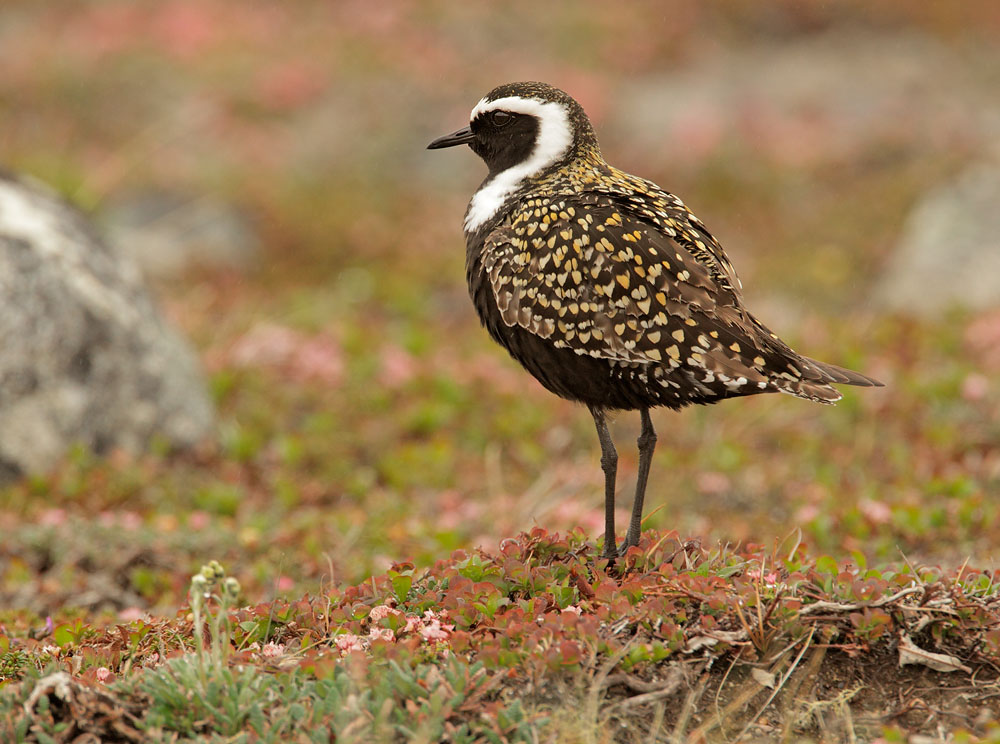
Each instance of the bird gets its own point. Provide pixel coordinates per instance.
(606, 288)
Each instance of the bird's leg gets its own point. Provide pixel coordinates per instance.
(609, 464)
(647, 443)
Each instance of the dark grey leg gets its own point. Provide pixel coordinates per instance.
(647, 443)
(609, 464)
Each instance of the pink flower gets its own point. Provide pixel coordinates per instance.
(52, 517)
(385, 634)
(397, 367)
(975, 387)
(713, 483)
(301, 356)
(807, 513)
(272, 650)
(876, 511)
(199, 520)
(433, 630)
(573, 609)
(131, 613)
(348, 642)
(104, 675)
(770, 578)
(130, 520)
(380, 612)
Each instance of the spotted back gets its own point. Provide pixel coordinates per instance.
(598, 276)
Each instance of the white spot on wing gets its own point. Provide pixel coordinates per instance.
(555, 135)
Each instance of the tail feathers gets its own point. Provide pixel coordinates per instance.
(844, 376)
(810, 390)
(819, 388)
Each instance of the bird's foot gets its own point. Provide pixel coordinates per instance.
(630, 541)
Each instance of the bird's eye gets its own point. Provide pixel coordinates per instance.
(501, 118)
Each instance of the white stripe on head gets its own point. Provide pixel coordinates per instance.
(555, 136)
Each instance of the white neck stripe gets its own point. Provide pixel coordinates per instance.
(555, 136)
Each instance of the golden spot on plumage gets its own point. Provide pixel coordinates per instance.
(584, 336)
(577, 276)
(678, 335)
(661, 298)
(640, 271)
(566, 235)
(623, 280)
(759, 361)
(713, 334)
(644, 305)
(673, 352)
(632, 323)
(690, 322)
(653, 354)
(735, 347)
(653, 337)
(619, 328)
(703, 341)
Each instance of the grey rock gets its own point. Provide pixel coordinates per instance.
(948, 254)
(85, 357)
(167, 232)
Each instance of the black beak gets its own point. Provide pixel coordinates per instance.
(462, 137)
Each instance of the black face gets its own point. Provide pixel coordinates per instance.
(503, 138)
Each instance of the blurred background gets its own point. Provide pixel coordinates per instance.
(264, 165)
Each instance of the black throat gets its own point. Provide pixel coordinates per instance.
(504, 148)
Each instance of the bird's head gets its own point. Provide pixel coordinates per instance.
(528, 126)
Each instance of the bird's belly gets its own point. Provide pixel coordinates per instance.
(579, 377)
